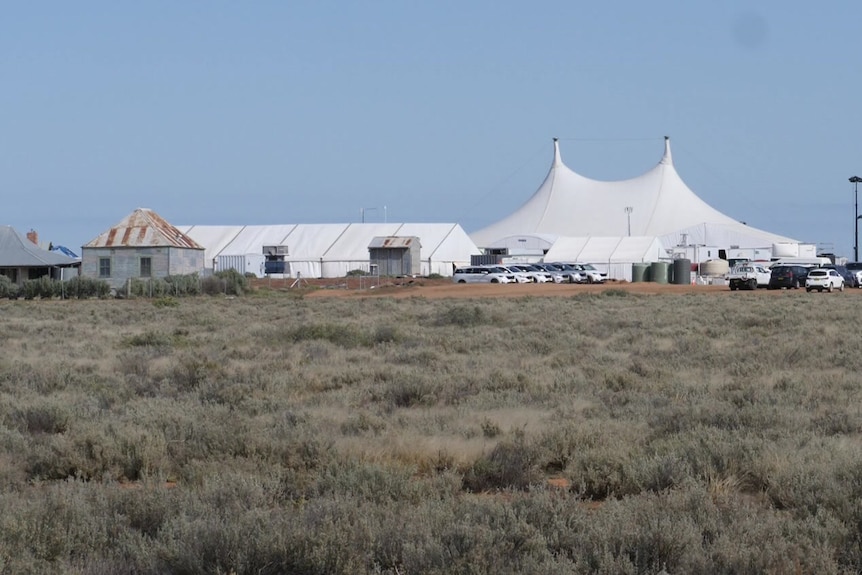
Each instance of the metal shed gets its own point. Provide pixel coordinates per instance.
(396, 255)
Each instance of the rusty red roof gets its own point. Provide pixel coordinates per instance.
(143, 228)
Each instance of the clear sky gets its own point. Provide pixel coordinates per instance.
(263, 112)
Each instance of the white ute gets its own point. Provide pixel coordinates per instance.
(748, 276)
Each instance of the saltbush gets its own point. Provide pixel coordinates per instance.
(8, 289)
(379, 435)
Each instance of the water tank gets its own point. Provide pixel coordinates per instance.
(640, 272)
(714, 268)
(785, 250)
(659, 272)
(682, 271)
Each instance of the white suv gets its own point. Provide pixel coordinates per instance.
(519, 276)
(534, 273)
(593, 275)
(824, 279)
(480, 274)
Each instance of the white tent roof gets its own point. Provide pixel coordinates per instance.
(213, 238)
(661, 204)
(342, 247)
(616, 249)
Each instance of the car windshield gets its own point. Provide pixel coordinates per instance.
(588, 267)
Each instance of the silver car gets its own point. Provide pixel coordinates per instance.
(480, 274)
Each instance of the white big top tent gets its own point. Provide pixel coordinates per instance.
(333, 250)
(656, 204)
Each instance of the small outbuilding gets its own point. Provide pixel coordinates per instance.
(396, 255)
(143, 246)
(21, 259)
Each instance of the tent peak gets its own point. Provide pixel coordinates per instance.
(667, 158)
(558, 161)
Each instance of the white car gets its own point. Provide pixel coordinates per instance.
(480, 274)
(558, 276)
(824, 279)
(593, 275)
(535, 273)
(576, 273)
(520, 277)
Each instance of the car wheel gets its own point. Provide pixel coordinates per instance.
(732, 287)
(808, 290)
(461, 282)
(830, 288)
(752, 284)
(495, 281)
(841, 287)
(795, 284)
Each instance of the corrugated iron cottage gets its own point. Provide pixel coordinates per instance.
(144, 246)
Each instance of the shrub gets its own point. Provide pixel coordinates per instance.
(43, 288)
(7, 288)
(81, 287)
(510, 465)
(463, 316)
(227, 282)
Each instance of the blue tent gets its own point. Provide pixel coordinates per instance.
(65, 251)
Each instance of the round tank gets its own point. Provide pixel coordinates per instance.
(785, 250)
(682, 271)
(714, 268)
(658, 271)
(640, 272)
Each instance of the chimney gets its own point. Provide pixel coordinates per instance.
(33, 236)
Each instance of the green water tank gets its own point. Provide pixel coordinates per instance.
(658, 271)
(682, 271)
(640, 272)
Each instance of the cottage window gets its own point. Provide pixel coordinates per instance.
(146, 267)
(104, 267)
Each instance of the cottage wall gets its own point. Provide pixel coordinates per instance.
(184, 261)
(126, 262)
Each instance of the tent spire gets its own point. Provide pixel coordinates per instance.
(557, 160)
(667, 158)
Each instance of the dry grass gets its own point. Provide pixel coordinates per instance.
(351, 435)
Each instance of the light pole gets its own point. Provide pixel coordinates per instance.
(855, 181)
(629, 211)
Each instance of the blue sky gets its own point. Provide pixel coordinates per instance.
(305, 112)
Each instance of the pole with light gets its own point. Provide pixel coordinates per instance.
(855, 181)
(629, 211)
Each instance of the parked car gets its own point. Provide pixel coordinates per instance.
(849, 277)
(787, 276)
(515, 276)
(535, 274)
(573, 274)
(480, 274)
(557, 273)
(748, 276)
(856, 269)
(824, 279)
(593, 275)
